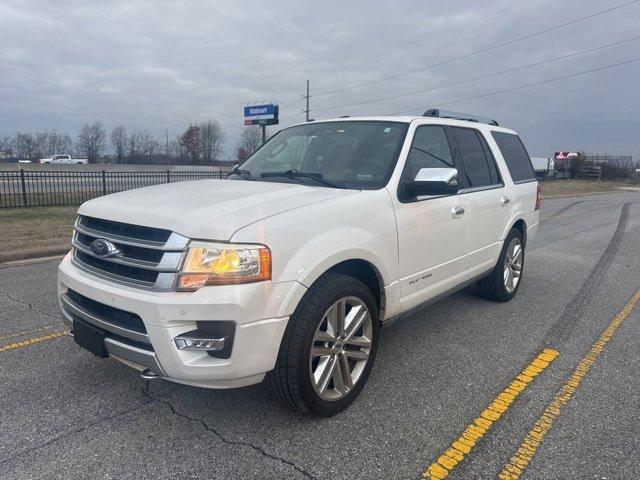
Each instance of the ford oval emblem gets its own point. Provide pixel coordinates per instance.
(103, 248)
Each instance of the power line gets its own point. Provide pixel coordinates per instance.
(510, 6)
(481, 77)
(292, 102)
(292, 116)
(520, 87)
(478, 52)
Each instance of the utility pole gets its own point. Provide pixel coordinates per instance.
(306, 110)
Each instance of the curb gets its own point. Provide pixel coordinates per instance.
(35, 254)
(607, 192)
(30, 261)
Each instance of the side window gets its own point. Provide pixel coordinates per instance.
(476, 164)
(493, 169)
(429, 149)
(515, 156)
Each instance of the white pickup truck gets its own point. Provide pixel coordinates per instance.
(64, 159)
(543, 166)
(290, 267)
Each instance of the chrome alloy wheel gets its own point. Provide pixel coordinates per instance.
(513, 261)
(340, 348)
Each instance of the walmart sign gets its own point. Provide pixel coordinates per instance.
(261, 115)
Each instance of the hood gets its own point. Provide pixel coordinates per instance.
(206, 209)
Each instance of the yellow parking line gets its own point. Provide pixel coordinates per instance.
(476, 430)
(32, 341)
(519, 461)
(29, 332)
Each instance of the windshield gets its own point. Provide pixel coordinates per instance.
(351, 154)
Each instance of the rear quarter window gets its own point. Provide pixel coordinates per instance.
(515, 156)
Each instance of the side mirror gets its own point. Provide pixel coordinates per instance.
(433, 181)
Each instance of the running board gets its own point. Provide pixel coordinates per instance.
(436, 298)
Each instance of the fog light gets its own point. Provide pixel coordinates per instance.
(205, 344)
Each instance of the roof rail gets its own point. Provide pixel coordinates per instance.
(436, 112)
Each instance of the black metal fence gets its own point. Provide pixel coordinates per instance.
(43, 189)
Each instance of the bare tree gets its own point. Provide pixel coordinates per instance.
(241, 154)
(167, 149)
(119, 140)
(133, 147)
(91, 140)
(212, 139)
(25, 146)
(41, 143)
(177, 151)
(190, 141)
(6, 144)
(148, 144)
(49, 143)
(57, 142)
(250, 140)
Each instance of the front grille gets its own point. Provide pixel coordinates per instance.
(108, 313)
(147, 257)
(128, 251)
(107, 227)
(126, 272)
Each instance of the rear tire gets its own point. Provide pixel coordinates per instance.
(503, 282)
(322, 367)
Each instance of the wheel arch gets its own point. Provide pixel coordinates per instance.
(518, 222)
(356, 266)
(521, 226)
(368, 274)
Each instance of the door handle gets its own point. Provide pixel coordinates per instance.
(504, 200)
(457, 211)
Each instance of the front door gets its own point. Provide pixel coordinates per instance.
(432, 231)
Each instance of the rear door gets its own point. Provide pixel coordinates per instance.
(525, 186)
(431, 238)
(485, 199)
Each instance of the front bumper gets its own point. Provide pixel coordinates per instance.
(260, 312)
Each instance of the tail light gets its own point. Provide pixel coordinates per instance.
(538, 198)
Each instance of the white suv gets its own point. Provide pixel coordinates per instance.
(289, 268)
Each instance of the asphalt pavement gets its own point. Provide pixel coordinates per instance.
(66, 414)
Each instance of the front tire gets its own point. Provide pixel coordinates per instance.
(503, 282)
(328, 348)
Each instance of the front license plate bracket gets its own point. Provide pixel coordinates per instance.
(90, 338)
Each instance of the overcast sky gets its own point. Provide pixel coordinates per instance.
(156, 64)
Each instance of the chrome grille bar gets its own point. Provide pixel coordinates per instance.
(169, 262)
(155, 266)
(175, 241)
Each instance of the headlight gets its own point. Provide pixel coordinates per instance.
(224, 263)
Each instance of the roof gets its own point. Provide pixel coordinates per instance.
(409, 119)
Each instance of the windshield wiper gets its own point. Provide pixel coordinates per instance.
(295, 174)
(245, 174)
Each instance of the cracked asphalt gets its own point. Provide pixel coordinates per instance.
(66, 414)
